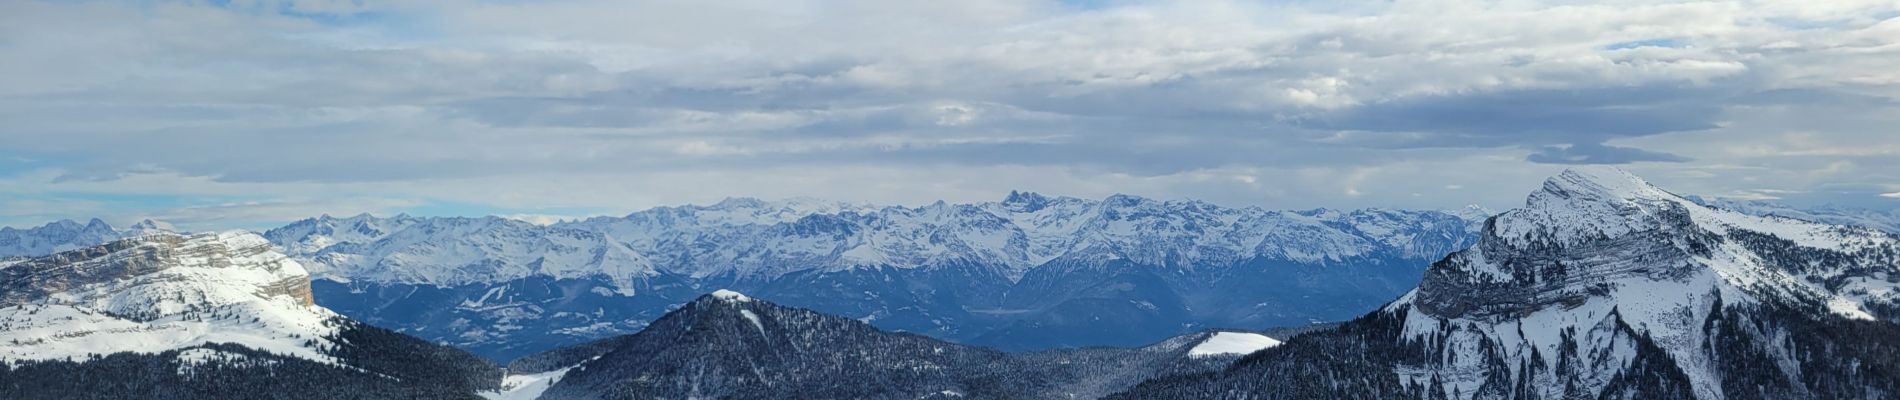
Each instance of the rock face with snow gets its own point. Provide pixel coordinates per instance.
(731, 346)
(1028, 272)
(165, 314)
(1604, 286)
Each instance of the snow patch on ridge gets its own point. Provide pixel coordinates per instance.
(749, 316)
(1232, 343)
(728, 295)
(528, 386)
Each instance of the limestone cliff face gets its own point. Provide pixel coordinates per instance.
(159, 274)
(296, 288)
(219, 315)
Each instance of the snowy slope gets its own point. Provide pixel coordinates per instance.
(160, 292)
(1232, 343)
(526, 386)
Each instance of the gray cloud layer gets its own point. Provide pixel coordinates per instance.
(247, 112)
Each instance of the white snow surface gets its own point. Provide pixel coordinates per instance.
(225, 287)
(754, 319)
(729, 295)
(1232, 343)
(526, 386)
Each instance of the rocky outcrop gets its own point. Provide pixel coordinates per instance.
(220, 315)
(145, 259)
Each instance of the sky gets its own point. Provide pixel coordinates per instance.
(253, 113)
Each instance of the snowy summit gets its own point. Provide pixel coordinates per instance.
(729, 295)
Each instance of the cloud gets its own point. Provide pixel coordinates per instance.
(266, 109)
(1547, 119)
(1598, 154)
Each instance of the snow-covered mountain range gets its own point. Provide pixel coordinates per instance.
(1604, 286)
(749, 239)
(1028, 272)
(67, 234)
(164, 315)
(54, 237)
(1601, 286)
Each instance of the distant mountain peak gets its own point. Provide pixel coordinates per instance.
(1124, 200)
(738, 202)
(149, 226)
(53, 237)
(1025, 201)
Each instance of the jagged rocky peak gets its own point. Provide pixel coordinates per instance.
(57, 236)
(148, 226)
(1025, 201)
